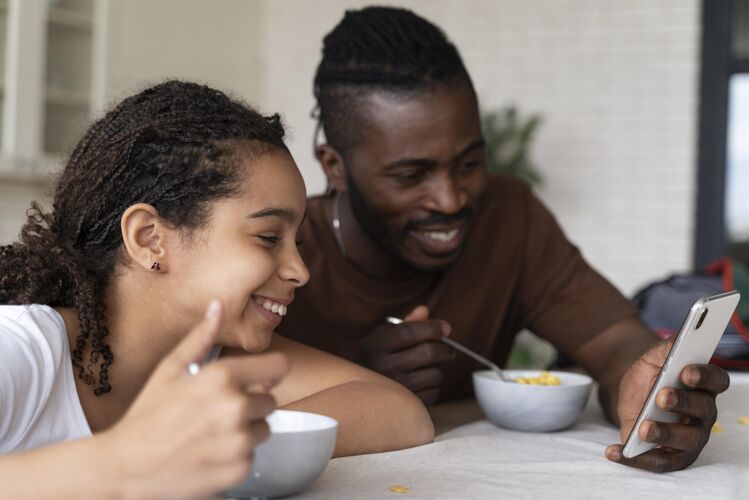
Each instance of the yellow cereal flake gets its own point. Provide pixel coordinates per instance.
(743, 420)
(717, 427)
(399, 489)
(545, 378)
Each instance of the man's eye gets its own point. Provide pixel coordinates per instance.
(413, 176)
(471, 165)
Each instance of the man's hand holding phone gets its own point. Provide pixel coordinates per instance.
(679, 443)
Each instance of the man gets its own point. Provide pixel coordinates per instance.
(416, 227)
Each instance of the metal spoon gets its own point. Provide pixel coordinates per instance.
(213, 354)
(496, 369)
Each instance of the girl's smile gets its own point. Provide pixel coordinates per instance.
(271, 309)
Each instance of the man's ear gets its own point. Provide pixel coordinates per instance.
(144, 235)
(333, 166)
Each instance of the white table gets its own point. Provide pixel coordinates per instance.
(480, 461)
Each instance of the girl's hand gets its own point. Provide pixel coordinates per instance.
(191, 436)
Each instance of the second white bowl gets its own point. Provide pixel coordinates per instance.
(531, 408)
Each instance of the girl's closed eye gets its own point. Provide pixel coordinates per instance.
(269, 239)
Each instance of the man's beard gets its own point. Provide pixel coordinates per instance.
(373, 223)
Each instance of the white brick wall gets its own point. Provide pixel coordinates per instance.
(617, 85)
(216, 42)
(616, 82)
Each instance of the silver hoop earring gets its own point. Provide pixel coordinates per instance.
(337, 224)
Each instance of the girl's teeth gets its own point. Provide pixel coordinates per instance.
(273, 307)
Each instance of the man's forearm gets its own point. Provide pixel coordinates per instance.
(610, 354)
(609, 381)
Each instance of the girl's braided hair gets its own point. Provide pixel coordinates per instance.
(175, 146)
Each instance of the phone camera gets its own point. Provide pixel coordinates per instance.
(702, 318)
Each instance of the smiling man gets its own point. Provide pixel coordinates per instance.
(416, 227)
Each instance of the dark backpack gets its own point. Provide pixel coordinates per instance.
(664, 304)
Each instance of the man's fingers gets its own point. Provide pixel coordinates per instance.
(413, 333)
(419, 380)
(418, 313)
(196, 344)
(656, 460)
(692, 403)
(391, 338)
(709, 378)
(419, 356)
(429, 396)
(690, 438)
(247, 370)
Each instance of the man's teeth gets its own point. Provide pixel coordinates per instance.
(273, 307)
(440, 235)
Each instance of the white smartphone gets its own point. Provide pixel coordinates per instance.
(695, 344)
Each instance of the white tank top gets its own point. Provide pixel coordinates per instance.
(39, 404)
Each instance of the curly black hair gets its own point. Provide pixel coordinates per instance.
(174, 146)
(379, 49)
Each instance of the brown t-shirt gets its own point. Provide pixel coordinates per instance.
(517, 271)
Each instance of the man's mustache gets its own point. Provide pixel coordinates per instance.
(438, 219)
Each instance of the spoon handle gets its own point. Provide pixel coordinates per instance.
(468, 352)
(461, 348)
(213, 354)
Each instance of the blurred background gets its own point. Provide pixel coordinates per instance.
(641, 142)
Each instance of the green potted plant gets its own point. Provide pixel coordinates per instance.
(509, 138)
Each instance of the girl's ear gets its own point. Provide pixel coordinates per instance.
(333, 166)
(144, 235)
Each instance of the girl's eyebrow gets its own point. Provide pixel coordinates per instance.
(285, 214)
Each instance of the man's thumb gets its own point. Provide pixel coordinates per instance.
(418, 313)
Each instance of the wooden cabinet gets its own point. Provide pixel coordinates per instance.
(68, 73)
(47, 71)
(3, 35)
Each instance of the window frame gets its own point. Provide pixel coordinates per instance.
(718, 65)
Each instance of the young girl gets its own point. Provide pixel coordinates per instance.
(173, 230)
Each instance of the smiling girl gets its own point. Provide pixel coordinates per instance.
(173, 230)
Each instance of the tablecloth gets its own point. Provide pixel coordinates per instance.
(480, 461)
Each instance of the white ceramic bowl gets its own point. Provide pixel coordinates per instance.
(300, 446)
(531, 408)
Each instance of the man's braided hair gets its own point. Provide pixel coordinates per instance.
(175, 146)
(379, 49)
